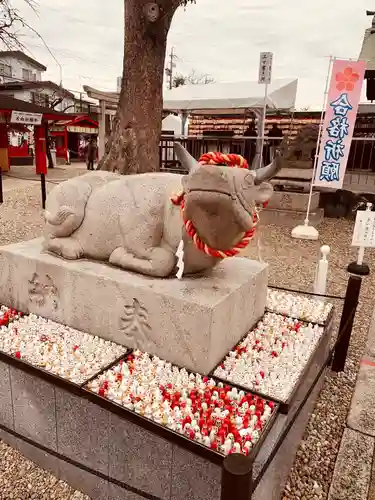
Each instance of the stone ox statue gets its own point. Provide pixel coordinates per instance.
(130, 221)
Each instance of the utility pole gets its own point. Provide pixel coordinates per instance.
(171, 66)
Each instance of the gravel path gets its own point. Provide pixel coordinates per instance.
(292, 264)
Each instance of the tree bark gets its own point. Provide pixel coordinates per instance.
(134, 143)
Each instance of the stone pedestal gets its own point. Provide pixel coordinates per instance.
(290, 209)
(193, 322)
(284, 200)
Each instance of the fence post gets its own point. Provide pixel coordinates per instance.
(43, 187)
(237, 478)
(1, 186)
(320, 285)
(346, 323)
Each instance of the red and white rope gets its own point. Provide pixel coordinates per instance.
(229, 160)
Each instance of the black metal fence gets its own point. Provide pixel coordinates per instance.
(361, 157)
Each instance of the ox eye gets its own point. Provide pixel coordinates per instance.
(249, 179)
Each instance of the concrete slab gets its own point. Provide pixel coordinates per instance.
(370, 346)
(361, 415)
(34, 408)
(6, 404)
(83, 481)
(139, 458)
(194, 478)
(82, 431)
(371, 491)
(352, 472)
(117, 493)
(193, 322)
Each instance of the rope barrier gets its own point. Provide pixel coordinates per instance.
(30, 179)
(291, 290)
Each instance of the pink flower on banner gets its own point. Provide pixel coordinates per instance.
(347, 80)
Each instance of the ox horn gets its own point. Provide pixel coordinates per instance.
(266, 173)
(187, 161)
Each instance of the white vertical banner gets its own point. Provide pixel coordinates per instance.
(265, 67)
(265, 77)
(341, 112)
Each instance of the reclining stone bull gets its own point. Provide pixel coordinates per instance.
(130, 221)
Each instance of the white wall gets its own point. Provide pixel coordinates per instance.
(17, 67)
(26, 95)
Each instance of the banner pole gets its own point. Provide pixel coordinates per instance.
(307, 232)
(263, 124)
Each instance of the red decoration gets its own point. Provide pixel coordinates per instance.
(347, 80)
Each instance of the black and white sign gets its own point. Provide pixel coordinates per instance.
(26, 118)
(364, 229)
(265, 67)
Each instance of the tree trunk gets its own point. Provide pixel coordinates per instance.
(134, 144)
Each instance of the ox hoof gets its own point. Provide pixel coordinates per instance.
(65, 247)
(156, 262)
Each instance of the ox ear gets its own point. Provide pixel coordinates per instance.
(187, 161)
(263, 193)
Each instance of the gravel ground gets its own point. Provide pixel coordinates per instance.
(292, 264)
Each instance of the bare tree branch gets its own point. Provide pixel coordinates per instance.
(12, 22)
(192, 79)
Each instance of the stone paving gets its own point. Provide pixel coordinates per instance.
(354, 474)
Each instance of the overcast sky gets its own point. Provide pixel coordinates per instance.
(220, 37)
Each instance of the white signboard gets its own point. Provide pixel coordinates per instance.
(364, 229)
(265, 67)
(83, 130)
(26, 118)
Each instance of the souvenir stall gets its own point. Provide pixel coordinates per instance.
(71, 137)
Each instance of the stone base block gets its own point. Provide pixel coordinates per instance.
(284, 200)
(290, 218)
(193, 322)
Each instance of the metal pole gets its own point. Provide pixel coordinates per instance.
(316, 158)
(237, 478)
(43, 186)
(1, 186)
(263, 125)
(346, 323)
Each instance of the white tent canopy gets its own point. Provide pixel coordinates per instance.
(230, 98)
(172, 123)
